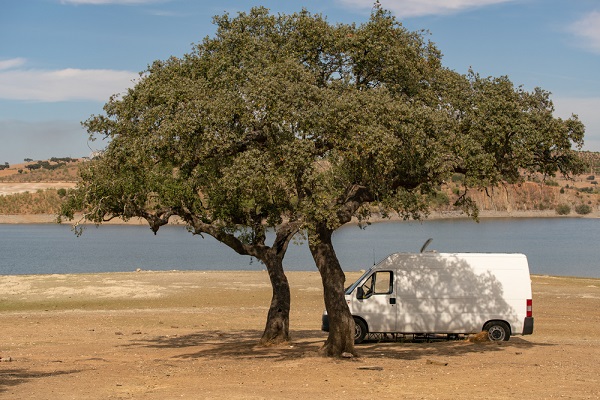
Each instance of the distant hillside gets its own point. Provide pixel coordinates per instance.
(27, 203)
(580, 195)
(53, 170)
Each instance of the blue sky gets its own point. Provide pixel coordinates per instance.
(60, 60)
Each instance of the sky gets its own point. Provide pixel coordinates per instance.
(61, 60)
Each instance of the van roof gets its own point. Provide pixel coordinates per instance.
(400, 260)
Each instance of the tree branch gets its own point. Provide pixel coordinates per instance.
(354, 198)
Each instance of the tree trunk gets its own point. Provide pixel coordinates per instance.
(278, 319)
(277, 328)
(341, 323)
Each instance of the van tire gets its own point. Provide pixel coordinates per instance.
(360, 330)
(497, 331)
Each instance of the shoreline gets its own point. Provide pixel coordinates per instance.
(142, 274)
(16, 219)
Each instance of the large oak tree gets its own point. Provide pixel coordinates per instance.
(292, 122)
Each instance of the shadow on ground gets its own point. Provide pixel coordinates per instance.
(17, 376)
(244, 345)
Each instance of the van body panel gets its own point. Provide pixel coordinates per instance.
(454, 293)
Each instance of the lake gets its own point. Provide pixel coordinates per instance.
(554, 246)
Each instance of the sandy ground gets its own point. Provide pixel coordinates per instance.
(7, 188)
(173, 335)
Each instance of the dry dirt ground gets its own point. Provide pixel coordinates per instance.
(193, 335)
(7, 188)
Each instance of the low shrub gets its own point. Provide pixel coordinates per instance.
(563, 209)
(589, 190)
(583, 209)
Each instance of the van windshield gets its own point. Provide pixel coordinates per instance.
(350, 289)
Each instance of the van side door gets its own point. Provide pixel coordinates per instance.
(375, 302)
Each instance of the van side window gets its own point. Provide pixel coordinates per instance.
(383, 282)
(378, 283)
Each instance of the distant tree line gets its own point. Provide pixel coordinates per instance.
(55, 159)
(57, 163)
(4, 166)
(63, 159)
(44, 165)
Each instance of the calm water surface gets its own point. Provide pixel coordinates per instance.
(554, 246)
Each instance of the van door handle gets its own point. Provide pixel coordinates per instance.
(392, 300)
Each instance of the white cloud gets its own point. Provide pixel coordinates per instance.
(104, 2)
(413, 8)
(11, 63)
(164, 13)
(588, 29)
(587, 111)
(63, 85)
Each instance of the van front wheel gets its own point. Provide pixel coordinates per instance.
(360, 330)
(497, 331)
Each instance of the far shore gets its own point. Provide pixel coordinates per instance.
(487, 214)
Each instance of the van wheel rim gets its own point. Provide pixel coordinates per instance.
(357, 331)
(496, 333)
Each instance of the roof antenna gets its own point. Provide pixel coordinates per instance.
(427, 242)
(373, 256)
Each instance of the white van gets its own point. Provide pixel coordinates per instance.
(443, 293)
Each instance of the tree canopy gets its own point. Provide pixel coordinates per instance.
(288, 119)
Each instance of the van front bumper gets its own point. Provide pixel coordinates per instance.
(528, 326)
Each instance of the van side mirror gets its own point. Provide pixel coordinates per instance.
(360, 293)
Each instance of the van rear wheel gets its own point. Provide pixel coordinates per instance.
(497, 331)
(360, 330)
